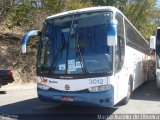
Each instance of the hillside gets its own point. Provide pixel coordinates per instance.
(23, 66)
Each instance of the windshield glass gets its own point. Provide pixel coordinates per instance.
(76, 44)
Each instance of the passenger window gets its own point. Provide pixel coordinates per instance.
(120, 48)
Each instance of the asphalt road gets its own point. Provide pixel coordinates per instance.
(24, 104)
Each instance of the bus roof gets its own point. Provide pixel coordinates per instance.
(83, 10)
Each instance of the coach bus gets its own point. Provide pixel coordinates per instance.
(155, 45)
(91, 56)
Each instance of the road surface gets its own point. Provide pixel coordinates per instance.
(24, 104)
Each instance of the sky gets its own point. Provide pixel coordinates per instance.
(158, 3)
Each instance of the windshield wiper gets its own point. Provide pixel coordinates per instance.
(83, 66)
(71, 32)
(69, 36)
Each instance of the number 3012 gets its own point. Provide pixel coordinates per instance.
(95, 81)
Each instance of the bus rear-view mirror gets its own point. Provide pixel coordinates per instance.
(112, 33)
(26, 38)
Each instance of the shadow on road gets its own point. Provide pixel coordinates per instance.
(148, 91)
(35, 109)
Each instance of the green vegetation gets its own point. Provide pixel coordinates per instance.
(5, 7)
(142, 13)
(22, 13)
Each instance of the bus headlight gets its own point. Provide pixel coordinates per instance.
(100, 88)
(42, 86)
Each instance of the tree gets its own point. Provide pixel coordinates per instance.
(140, 13)
(5, 7)
(120, 4)
(53, 6)
(56, 6)
(76, 4)
(22, 13)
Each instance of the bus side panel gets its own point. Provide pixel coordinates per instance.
(136, 61)
(134, 66)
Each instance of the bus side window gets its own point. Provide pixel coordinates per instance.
(120, 48)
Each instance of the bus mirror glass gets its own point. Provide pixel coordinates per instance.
(112, 33)
(152, 42)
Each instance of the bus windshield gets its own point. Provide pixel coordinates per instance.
(76, 44)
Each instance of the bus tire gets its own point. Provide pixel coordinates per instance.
(127, 98)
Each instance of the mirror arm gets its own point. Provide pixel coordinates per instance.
(26, 37)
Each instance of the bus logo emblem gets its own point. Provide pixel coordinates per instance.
(43, 80)
(67, 87)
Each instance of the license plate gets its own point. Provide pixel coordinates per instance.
(68, 99)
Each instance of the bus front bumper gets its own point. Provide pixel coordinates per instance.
(102, 99)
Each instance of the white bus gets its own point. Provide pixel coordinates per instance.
(92, 56)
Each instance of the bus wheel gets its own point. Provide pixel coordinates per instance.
(126, 99)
